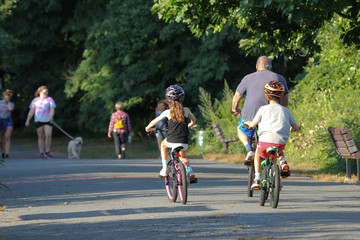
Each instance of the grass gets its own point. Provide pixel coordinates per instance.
(93, 148)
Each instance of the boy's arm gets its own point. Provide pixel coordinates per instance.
(251, 124)
(294, 127)
(155, 121)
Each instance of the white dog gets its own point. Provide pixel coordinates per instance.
(74, 148)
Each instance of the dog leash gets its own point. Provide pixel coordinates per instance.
(62, 130)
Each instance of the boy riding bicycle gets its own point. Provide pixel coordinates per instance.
(178, 128)
(275, 123)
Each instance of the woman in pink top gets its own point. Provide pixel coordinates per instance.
(43, 107)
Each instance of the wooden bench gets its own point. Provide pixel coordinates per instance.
(220, 136)
(346, 147)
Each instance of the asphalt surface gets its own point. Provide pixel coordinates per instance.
(124, 199)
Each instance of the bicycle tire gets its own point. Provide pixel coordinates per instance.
(275, 185)
(251, 177)
(183, 183)
(171, 183)
(263, 185)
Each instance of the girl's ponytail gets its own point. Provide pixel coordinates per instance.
(177, 113)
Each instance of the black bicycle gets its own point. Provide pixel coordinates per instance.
(251, 169)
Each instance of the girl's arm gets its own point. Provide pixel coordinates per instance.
(52, 113)
(191, 116)
(156, 120)
(10, 106)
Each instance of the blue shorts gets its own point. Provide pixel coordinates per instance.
(5, 123)
(248, 132)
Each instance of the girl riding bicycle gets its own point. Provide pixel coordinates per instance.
(275, 122)
(178, 128)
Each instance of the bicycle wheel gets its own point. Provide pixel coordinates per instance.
(263, 185)
(171, 184)
(274, 185)
(251, 177)
(183, 184)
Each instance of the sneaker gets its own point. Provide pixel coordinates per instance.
(249, 158)
(163, 173)
(3, 155)
(48, 155)
(119, 156)
(42, 156)
(190, 173)
(6, 156)
(256, 184)
(285, 169)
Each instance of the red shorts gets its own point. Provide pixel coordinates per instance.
(262, 146)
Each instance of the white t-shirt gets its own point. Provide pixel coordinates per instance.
(274, 123)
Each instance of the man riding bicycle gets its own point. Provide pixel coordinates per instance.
(252, 87)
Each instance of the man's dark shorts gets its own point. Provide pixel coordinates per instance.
(40, 124)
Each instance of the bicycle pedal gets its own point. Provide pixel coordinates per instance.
(285, 174)
(248, 163)
(193, 181)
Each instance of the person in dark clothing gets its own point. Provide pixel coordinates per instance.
(120, 128)
(163, 124)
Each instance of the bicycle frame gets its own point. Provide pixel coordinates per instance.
(270, 178)
(271, 159)
(176, 181)
(270, 175)
(251, 171)
(176, 176)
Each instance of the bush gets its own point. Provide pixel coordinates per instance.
(325, 97)
(218, 111)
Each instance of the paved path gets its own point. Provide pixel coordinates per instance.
(123, 199)
(25, 152)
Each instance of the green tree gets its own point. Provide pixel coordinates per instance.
(274, 27)
(91, 54)
(34, 51)
(325, 97)
(130, 54)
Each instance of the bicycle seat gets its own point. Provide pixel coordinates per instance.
(177, 149)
